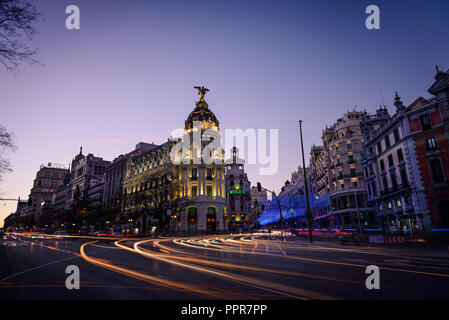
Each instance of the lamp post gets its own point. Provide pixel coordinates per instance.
(308, 214)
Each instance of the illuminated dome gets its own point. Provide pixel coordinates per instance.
(202, 113)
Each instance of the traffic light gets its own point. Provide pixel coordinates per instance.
(259, 187)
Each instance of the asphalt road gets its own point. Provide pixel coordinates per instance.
(215, 267)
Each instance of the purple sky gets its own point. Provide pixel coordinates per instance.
(127, 75)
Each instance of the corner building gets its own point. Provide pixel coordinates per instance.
(186, 195)
(343, 143)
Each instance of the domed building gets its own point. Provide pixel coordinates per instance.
(203, 114)
(203, 195)
(179, 185)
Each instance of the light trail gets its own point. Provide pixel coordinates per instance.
(327, 261)
(173, 285)
(201, 260)
(260, 284)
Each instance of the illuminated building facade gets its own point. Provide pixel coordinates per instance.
(238, 191)
(62, 200)
(48, 178)
(113, 186)
(173, 189)
(318, 178)
(343, 143)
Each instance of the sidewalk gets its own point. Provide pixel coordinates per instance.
(440, 250)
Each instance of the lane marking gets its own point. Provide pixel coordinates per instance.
(283, 252)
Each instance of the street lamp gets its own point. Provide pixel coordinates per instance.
(308, 213)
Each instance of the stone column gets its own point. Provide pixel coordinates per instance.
(216, 182)
(204, 180)
(185, 182)
(200, 181)
(202, 218)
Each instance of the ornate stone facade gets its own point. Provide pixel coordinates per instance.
(170, 189)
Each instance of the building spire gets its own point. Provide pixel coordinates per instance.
(397, 102)
(81, 150)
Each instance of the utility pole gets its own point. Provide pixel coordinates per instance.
(308, 213)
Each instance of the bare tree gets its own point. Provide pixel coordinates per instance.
(6, 143)
(16, 24)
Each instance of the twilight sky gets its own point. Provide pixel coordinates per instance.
(127, 75)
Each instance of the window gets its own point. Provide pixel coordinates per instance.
(387, 141)
(394, 181)
(396, 135)
(353, 173)
(404, 180)
(437, 170)
(385, 183)
(382, 165)
(398, 203)
(209, 191)
(194, 174)
(400, 155)
(349, 146)
(342, 186)
(431, 144)
(209, 174)
(409, 201)
(355, 185)
(194, 191)
(337, 148)
(390, 160)
(425, 122)
(351, 159)
(379, 148)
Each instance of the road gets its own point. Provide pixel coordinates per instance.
(250, 267)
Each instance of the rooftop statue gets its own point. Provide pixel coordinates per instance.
(201, 92)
